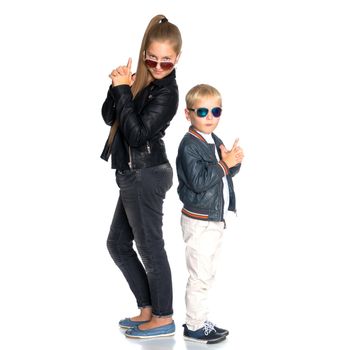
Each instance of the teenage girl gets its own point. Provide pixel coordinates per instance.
(139, 109)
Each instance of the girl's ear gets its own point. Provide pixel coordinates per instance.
(178, 57)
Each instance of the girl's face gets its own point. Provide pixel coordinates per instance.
(160, 59)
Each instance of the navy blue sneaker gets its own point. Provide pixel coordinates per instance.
(218, 330)
(128, 323)
(162, 331)
(206, 335)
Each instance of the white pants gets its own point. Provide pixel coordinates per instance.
(203, 242)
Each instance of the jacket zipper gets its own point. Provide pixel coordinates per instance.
(223, 204)
(221, 191)
(222, 200)
(130, 159)
(148, 146)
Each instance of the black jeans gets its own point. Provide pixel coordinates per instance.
(139, 217)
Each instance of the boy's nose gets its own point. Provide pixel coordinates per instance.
(209, 115)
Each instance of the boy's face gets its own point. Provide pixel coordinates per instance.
(208, 123)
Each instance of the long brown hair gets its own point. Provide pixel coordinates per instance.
(158, 29)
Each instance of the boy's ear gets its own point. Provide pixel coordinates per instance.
(187, 114)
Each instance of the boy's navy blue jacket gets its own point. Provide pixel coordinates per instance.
(200, 178)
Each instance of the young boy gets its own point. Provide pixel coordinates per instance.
(204, 169)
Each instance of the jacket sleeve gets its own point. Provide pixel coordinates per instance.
(200, 175)
(108, 108)
(234, 170)
(156, 114)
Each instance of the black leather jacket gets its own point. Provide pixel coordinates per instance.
(200, 178)
(142, 122)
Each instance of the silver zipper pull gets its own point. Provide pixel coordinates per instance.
(148, 147)
(130, 160)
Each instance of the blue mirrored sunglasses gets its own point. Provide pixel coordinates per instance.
(202, 112)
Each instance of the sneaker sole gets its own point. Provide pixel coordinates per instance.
(214, 341)
(150, 336)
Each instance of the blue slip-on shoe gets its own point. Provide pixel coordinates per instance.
(162, 331)
(128, 323)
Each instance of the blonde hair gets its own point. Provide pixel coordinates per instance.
(199, 91)
(158, 29)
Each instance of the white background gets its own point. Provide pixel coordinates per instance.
(283, 70)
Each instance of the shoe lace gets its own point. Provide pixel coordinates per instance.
(208, 327)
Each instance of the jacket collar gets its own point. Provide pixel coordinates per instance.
(166, 80)
(195, 133)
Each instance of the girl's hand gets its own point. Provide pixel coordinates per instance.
(122, 75)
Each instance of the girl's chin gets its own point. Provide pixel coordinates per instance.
(159, 75)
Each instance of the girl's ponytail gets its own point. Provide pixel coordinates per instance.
(160, 29)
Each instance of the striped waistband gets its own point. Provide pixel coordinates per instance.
(193, 215)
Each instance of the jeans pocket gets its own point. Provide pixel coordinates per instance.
(126, 180)
(117, 179)
(163, 178)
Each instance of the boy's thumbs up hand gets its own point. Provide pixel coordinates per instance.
(223, 149)
(236, 143)
(233, 156)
